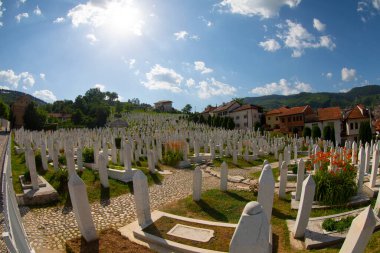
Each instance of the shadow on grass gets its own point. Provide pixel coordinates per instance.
(153, 230)
(155, 178)
(215, 214)
(275, 242)
(104, 196)
(283, 216)
(237, 197)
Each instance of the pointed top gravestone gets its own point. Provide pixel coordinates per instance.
(266, 190)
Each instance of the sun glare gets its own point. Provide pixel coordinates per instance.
(122, 18)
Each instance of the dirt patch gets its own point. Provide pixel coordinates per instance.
(110, 240)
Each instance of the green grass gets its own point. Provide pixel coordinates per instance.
(90, 177)
(256, 175)
(227, 207)
(242, 163)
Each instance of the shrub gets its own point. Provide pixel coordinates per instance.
(27, 177)
(62, 159)
(316, 132)
(295, 169)
(337, 225)
(88, 155)
(306, 132)
(59, 180)
(335, 186)
(172, 157)
(365, 132)
(38, 160)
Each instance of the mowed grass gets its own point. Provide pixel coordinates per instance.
(58, 179)
(228, 206)
(241, 164)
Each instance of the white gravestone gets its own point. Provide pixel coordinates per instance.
(141, 195)
(197, 184)
(224, 177)
(300, 178)
(283, 180)
(266, 190)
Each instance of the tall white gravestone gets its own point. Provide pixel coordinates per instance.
(141, 195)
(266, 190)
(224, 177)
(197, 184)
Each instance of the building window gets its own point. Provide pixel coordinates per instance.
(268, 118)
(289, 119)
(245, 116)
(245, 124)
(254, 116)
(294, 118)
(237, 125)
(356, 125)
(351, 126)
(277, 118)
(237, 117)
(283, 120)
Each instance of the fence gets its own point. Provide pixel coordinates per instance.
(15, 237)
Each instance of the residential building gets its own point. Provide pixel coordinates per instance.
(225, 109)
(246, 116)
(352, 120)
(164, 106)
(18, 110)
(331, 116)
(272, 118)
(292, 121)
(208, 111)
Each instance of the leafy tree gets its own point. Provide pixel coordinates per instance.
(365, 132)
(333, 135)
(187, 109)
(327, 133)
(240, 101)
(4, 110)
(34, 118)
(78, 117)
(257, 125)
(315, 132)
(209, 120)
(230, 124)
(306, 132)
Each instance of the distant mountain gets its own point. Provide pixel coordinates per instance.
(368, 95)
(9, 96)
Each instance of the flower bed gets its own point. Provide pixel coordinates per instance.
(335, 182)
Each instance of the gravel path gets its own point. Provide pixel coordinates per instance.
(49, 228)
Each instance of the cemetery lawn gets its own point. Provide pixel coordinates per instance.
(228, 206)
(243, 163)
(59, 181)
(256, 175)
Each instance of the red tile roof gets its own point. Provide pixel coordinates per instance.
(246, 107)
(330, 113)
(295, 110)
(278, 110)
(225, 107)
(358, 112)
(209, 109)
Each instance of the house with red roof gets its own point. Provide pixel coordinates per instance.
(292, 121)
(330, 116)
(352, 120)
(272, 118)
(246, 116)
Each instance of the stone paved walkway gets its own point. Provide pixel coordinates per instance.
(3, 247)
(49, 228)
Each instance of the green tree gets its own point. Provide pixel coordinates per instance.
(333, 135)
(365, 132)
(4, 110)
(78, 117)
(306, 132)
(230, 123)
(34, 118)
(327, 133)
(187, 109)
(315, 132)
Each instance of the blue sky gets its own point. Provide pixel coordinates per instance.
(189, 51)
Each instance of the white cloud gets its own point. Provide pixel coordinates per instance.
(376, 4)
(184, 35)
(212, 87)
(367, 9)
(37, 11)
(21, 16)
(161, 78)
(297, 38)
(4, 87)
(348, 74)
(262, 8)
(22, 1)
(201, 67)
(131, 63)
(270, 45)
(344, 90)
(10, 77)
(190, 82)
(91, 38)
(318, 25)
(283, 87)
(42, 76)
(99, 86)
(45, 95)
(59, 20)
(207, 22)
(120, 16)
(329, 75)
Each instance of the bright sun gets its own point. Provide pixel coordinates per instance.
(122, 18)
